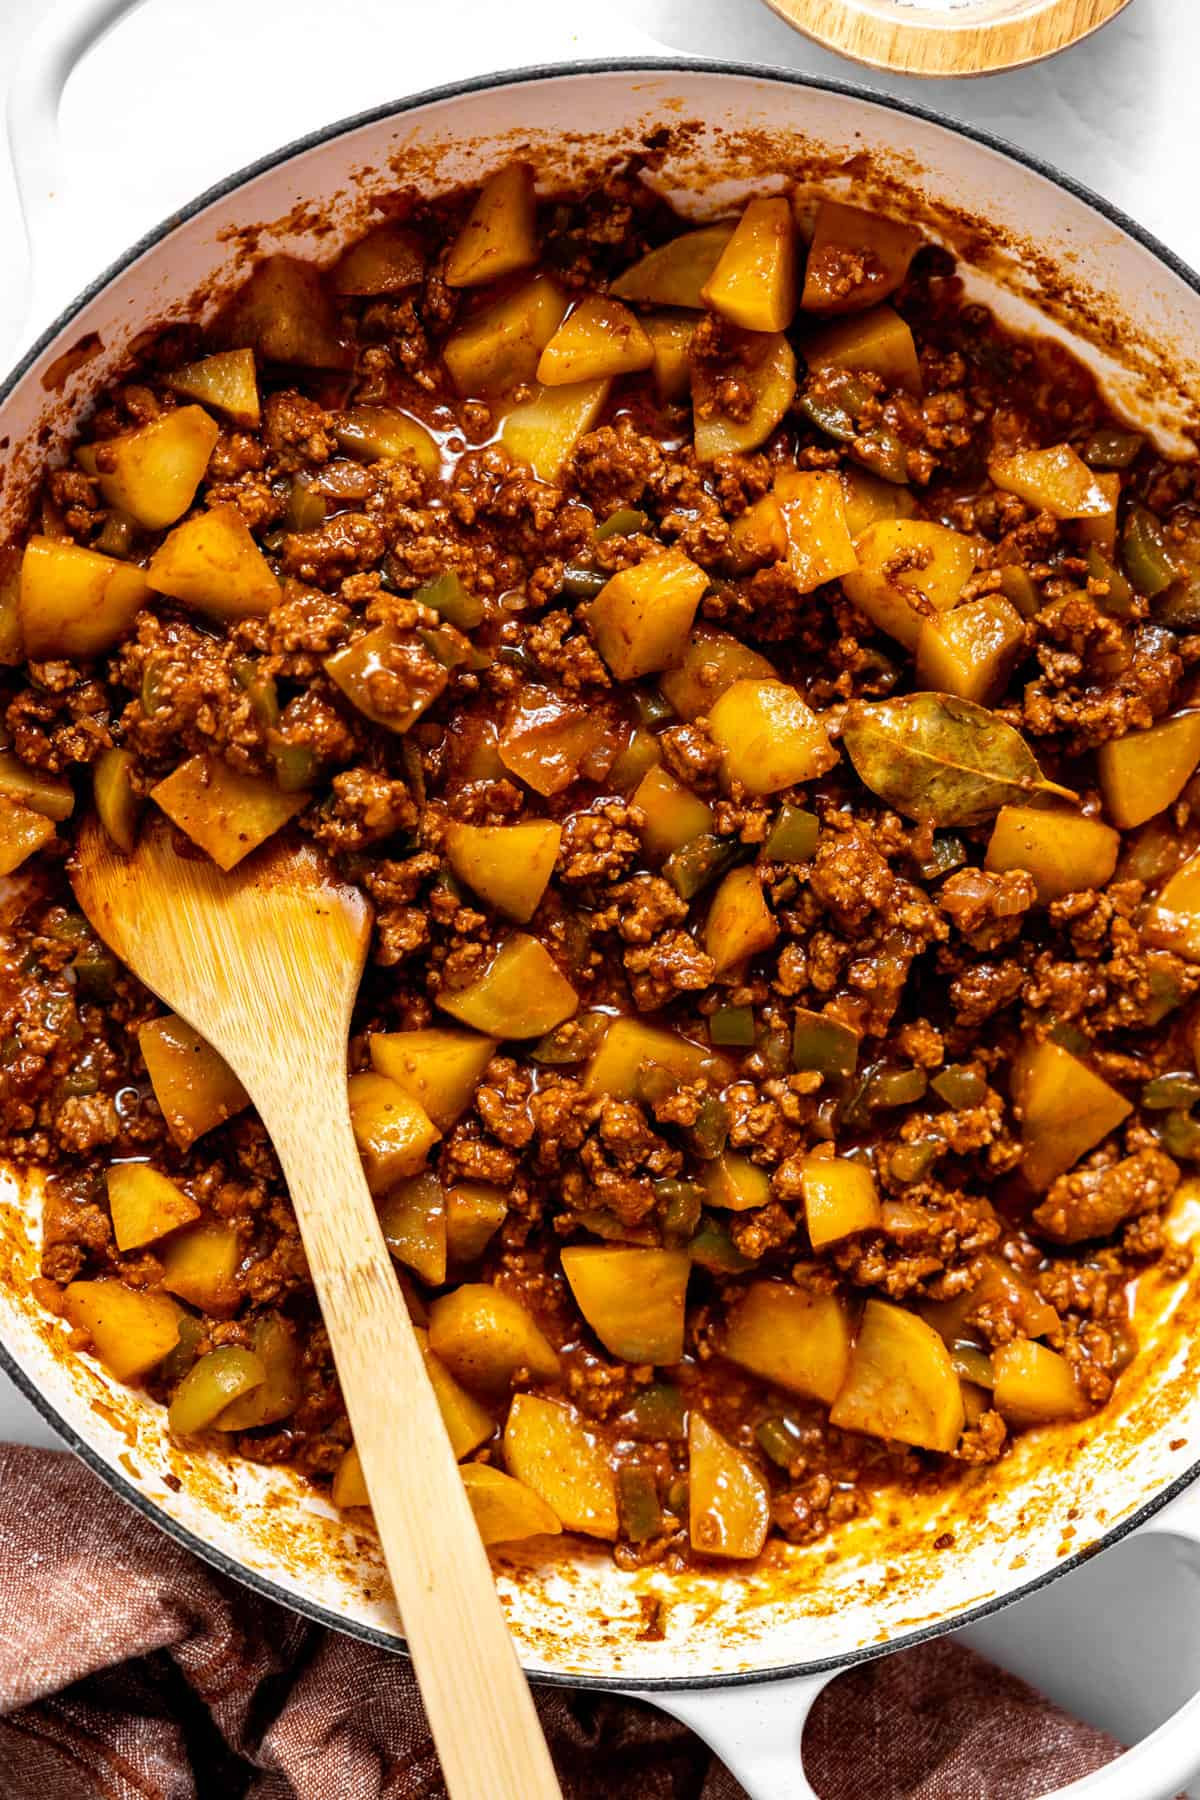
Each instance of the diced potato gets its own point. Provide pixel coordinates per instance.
(1065, 1109)
(869, 498)
(794, 1339)
(739, 922)
(439, 1068)
(389, 678)
(814, 511)
(522, 993)
(413, 1217)
(484, 1336)
(41, 793)
(544, 429)
(879, 341)
(506, 1509)
(1000, 1286)
(211, 562)
(1034, 1385)
(145, 1205)
(628, 1044)
(226, 813)
(384, 433)
(200, 1263)
(674, 815)
(497, 349)
(546, 740)
(642, 615)
(548, 1446)
(768, 736)
(213, 1382)
(840, 1198)
(74, 602)
(284, 312)
(509, 866)
(597, 341)
(131, 1331)
(349, 1483)
(885, 247)
(153, 473)
(766, 364)
(754, 282)
(500, 233)
(729, 1506)
(736, 1184)
(758, 536)
(1056, 481)
(1144, 772)
(901, 1384)
(195, 1087)
(475, 1211)
(468, 1423)
(633, 1299)
(1173, 921)
(1101, 528)
(388, 260)
(227, 382)
(1064, 852)
(897, 598)
(711, 662)
(972, 650)
(116, 803)
(274, 1343)
(393, 1132)
(675, 273)
(670, 334)
(23, 832)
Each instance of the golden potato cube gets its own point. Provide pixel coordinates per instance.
(739, 922)
(475, 1211)
(674, 815)
(544, 429)
(754, 283)
(227, 814)
(349, 1483)
(768, 736)
(153, 473)
(117, 805)
(227, 382)
(633, 1299)
(675, 273)
(439, 1068)
(840, 1198)
(1173, 921)
(869, 498)
(499, 235)
(1064, 852)
(1065, 1110)
(484, 1336)
(642, 615)
(384, 433)
(522, 993)
(794, 1339)
(274, 1343)
(468, 1423)
(908, 571)
(879, 341)
(1101, 528)
(729, 1507)
(1034, 1385)
(766, 364)
(195, 1087)
(901, 1383)
(628, 1044)
(758, 536)
(820, 547)
(74, 602)
(506, 1509)
(1144, 772)
(546, 740)
(23, 832)
(391, 679)
(548, 1446)
(200, 1263)
(393, 1132)
(413, 1218)
(509, 866)
(712, 661)
(1056, 481)
(497, 348)
(387, 260)
(598, 340)
(670, 335)
(883, 247)
(972, 650)
(212, 1383)
(211, 562)
(130, 1332)
(736, 1184)
(284, 312)
(41, 793)
(145, 1205)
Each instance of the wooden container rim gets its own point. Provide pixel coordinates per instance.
(943, 46)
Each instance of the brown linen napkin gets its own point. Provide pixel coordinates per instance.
(131, 1671)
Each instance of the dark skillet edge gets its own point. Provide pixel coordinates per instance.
(120, 1483)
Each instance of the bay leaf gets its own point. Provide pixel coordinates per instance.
(941, 760)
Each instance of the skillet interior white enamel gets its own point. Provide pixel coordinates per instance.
(1029, 241)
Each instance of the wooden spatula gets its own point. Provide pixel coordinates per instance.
(265, 963)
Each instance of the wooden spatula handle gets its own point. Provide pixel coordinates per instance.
(477, 1700)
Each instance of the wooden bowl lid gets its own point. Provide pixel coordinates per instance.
(945, 38)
